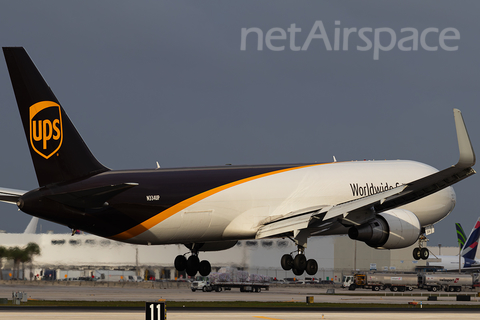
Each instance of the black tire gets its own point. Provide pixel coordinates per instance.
(192, 265)
(300, 262)
(376, 288)
(416, 254)
(311, 267)
(180, 263)
(204, 289)
(410, 288)
(458, 289)
(193, 289)
(204, 268)
(434, 289)
(424, 253)
(297, 272)
(451, 289)
(394, 289)
(286, 262)
(352, 287)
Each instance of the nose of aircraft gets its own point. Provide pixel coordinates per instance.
(453, 197)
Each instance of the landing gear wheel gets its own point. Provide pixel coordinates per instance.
(204, 268)
(286, 262)
(297, 272)
(193, 264)
(416, 254)
(424, 253)
(300, 262)
(180, 263)
(311, 267)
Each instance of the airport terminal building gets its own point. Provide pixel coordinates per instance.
(65, 256)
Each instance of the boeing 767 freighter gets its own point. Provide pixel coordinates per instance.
(386, 204)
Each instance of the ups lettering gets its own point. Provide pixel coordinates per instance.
(44, 131)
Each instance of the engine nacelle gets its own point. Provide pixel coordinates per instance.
(392, 229)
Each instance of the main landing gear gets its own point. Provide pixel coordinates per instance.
(193, 265)
(421, 252)
(299, 264)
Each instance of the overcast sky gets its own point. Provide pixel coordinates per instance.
(167, 81)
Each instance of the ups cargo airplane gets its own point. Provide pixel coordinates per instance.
(386, 204)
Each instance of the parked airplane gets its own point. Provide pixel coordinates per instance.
(461, 236)
(468, 253)
(387, 204)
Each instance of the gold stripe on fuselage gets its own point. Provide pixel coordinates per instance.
(153, 221)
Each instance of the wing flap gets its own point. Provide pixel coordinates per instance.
(284, 226)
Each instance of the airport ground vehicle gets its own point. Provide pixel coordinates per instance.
(381, 281)
(449, 282)
(218, 281)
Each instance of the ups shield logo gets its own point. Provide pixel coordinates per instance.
(46, 132)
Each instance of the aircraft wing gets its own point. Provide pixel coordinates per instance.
(11, 195)
(361, 210)
(303, 220)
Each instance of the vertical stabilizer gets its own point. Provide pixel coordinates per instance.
(58, 152)
(32, 226)
(470, 249)
(461, 236)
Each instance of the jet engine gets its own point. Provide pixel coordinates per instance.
(392, 229)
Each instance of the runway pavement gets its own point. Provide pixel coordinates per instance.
(293, 293)
(248, 315)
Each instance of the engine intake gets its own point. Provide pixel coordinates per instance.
(392, 229)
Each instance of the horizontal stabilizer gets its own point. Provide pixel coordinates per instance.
(11, 195)
(91, 198)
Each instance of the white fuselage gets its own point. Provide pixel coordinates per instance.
(237, 211)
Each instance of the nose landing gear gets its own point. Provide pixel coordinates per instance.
(421, 252)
